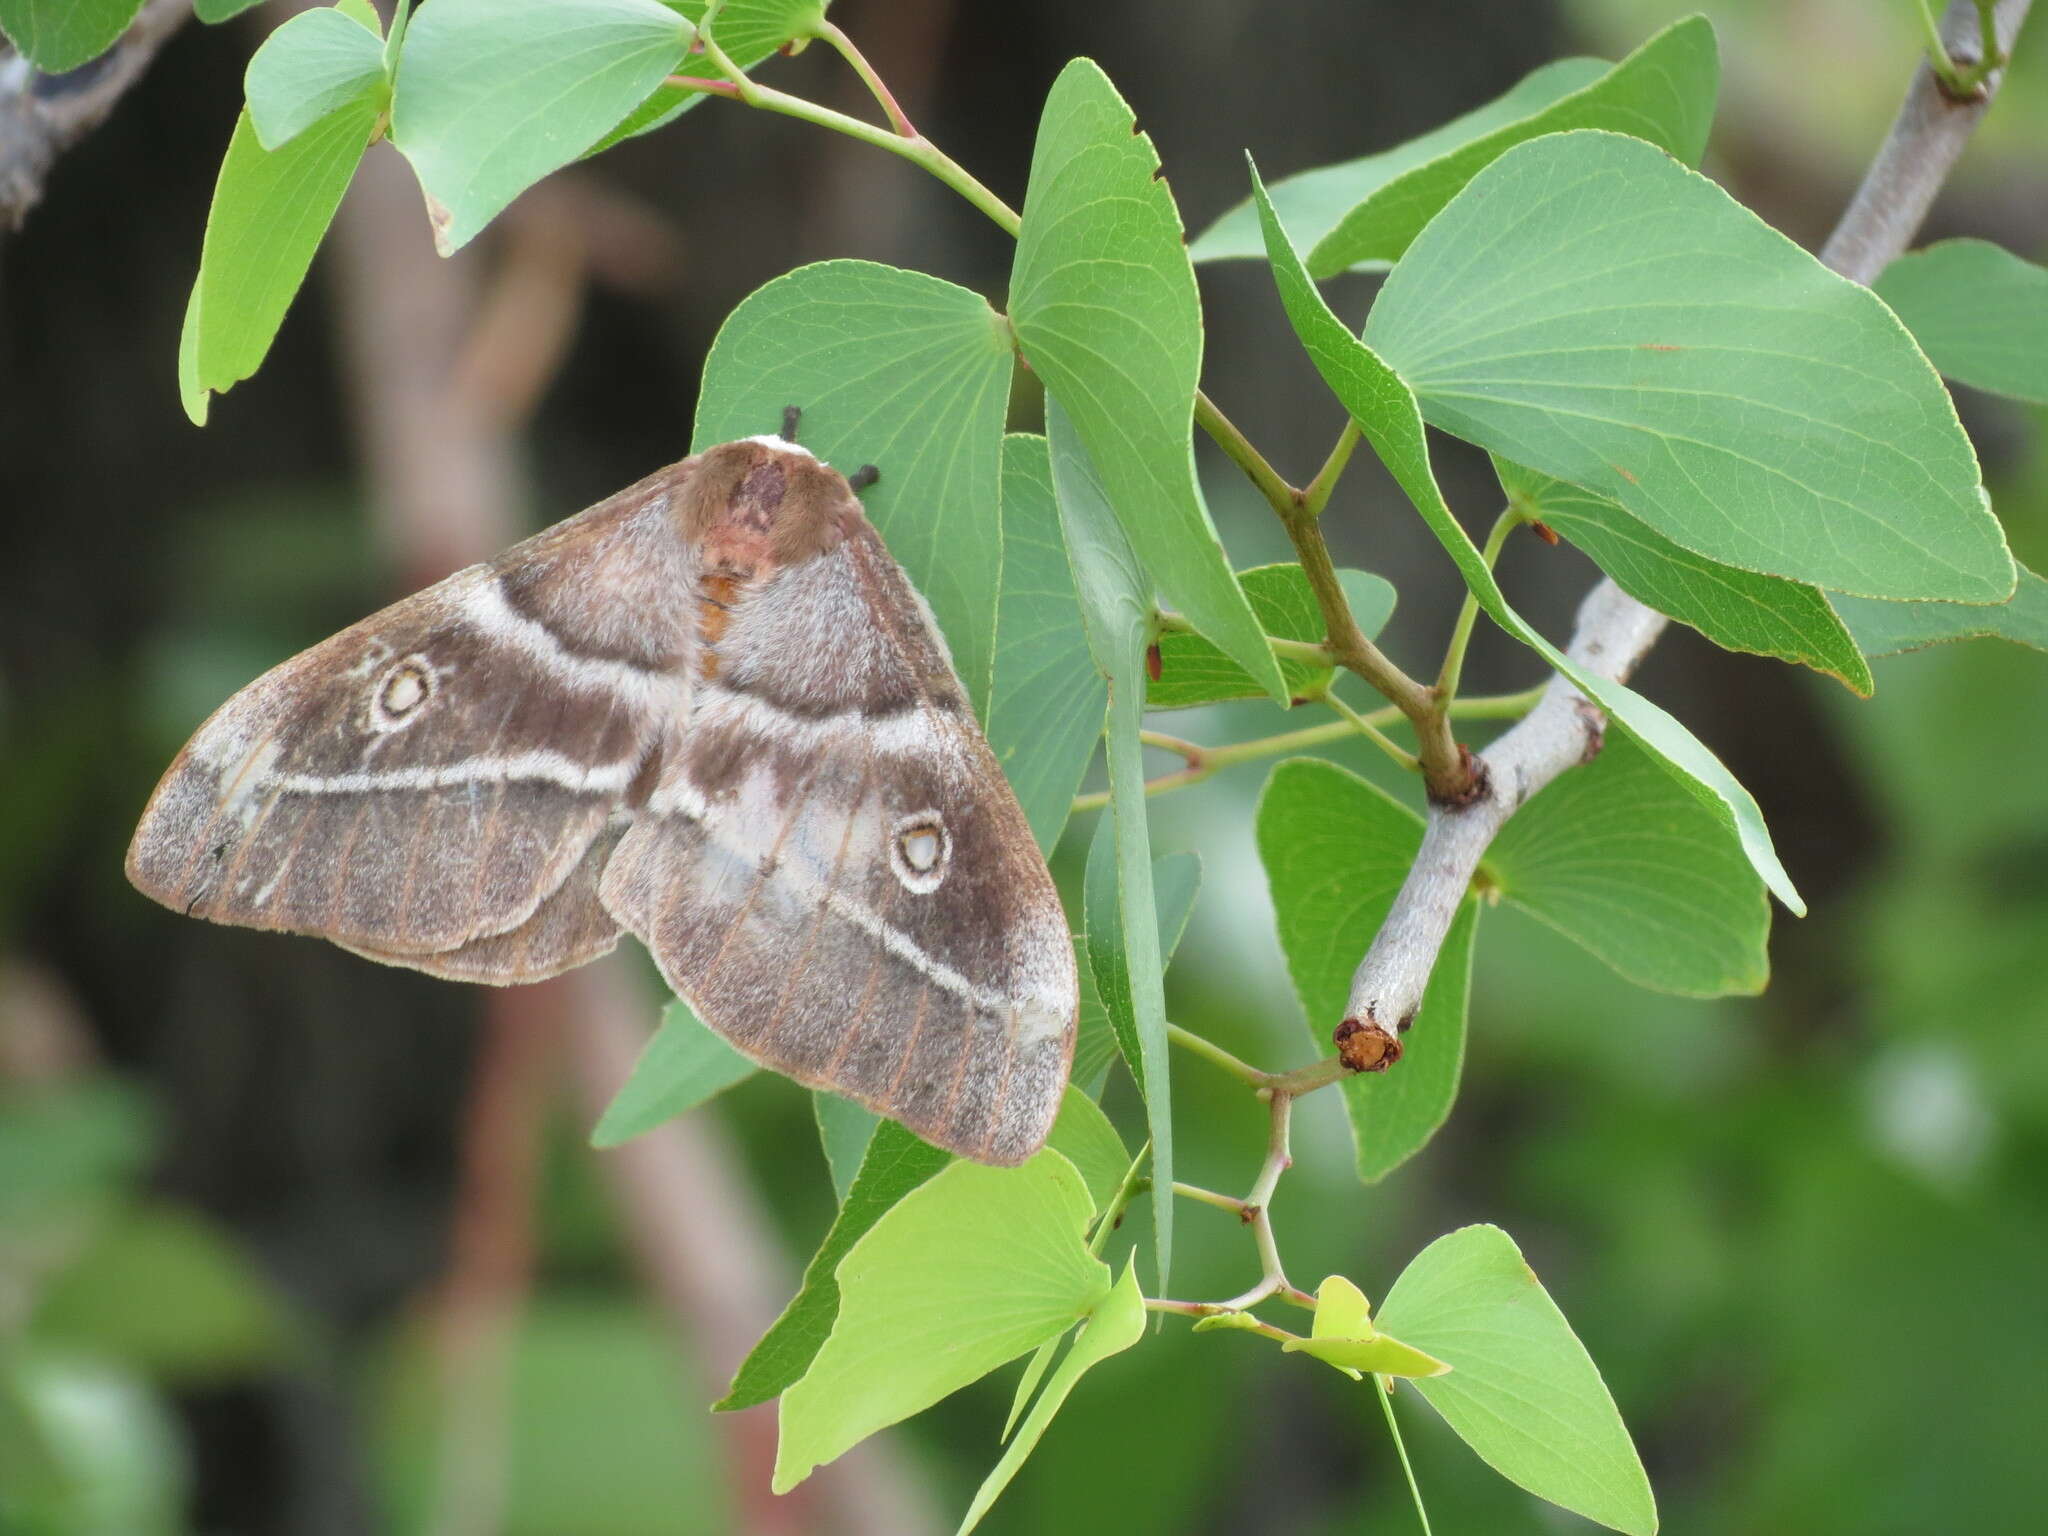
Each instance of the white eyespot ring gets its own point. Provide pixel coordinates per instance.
(920, 851)
(401, 695)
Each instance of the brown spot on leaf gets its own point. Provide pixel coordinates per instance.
(1631, 479)
(1155, 665)
(1544, 532)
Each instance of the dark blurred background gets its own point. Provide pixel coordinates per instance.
(291, 1242)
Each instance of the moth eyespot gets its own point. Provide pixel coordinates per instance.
(401, 693)
(920, 849)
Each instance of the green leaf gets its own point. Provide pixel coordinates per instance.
(216, 11)
(748, 30)
(1885, 629)
(968, 1271)
(492, 97)
(844, 1131)
(317, 63)
(1311, 202)
(1117, 612)
(269, 212)
(1103, 300)
(1084, 1137)
(1192, 671)
(1105, 1032)
(1591, 308)
(683, 1065)
(1117, 1323)
(1047, 702)
(1522, 1391)
(1386, 411)
(895, 1164)
(1336, 849)
(56, 35)
(166, 1292)
(1980, 312)
(898, 370)
(1662, 93)
(1741, 610)
(1343, 1336)
(1619, 858)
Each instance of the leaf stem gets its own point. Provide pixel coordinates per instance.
(1314, 652)
(1212, 760)
(844, 45)
(1374, 734)
(1317, 494)
(1468, 614)
(1210, 1051)
(919, 151)
(1222, 1202)
(1126, 1190)
(1385, 1393)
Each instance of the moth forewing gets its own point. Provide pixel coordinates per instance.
(710, 710)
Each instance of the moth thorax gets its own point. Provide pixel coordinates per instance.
(401, 693)
(920, 849)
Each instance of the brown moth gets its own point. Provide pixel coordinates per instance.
(711, 712)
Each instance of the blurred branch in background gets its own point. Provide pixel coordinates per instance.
(42, 115)
(445, 362)
(1614, 631)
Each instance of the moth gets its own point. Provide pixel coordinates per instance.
(711, 712)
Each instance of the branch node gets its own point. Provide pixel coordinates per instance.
(1474, 783)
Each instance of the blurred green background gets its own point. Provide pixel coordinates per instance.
(290, 1242)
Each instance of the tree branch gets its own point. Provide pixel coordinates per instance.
(1614, 631)
(42, 115)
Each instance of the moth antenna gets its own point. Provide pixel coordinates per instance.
(790, 416)
(863, 477)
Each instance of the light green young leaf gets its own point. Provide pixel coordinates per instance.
(896, 1163)
(972, 1269)
(1192, 671)
(1103, 300)
(1116, 610)
(268, 215)
(1101, 1035)
(1386, 411)
(1522, 1390)
(1591, 308)
(1662, 93)
(56, 35)
(492, 97)
(1885, 629)
(1117, 1323)
(1336, 849)
(1741, 610)
(902, 371)
(1343, 1336)
(317, 63)
(1980, 312)
(844, 1131)
(1046, 705)
(215, 11)
(748, 30)
(1311, 202)
(1619, 858)
(1083, 1135)
(683, 1065)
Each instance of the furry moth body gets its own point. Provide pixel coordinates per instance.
(711, 712)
